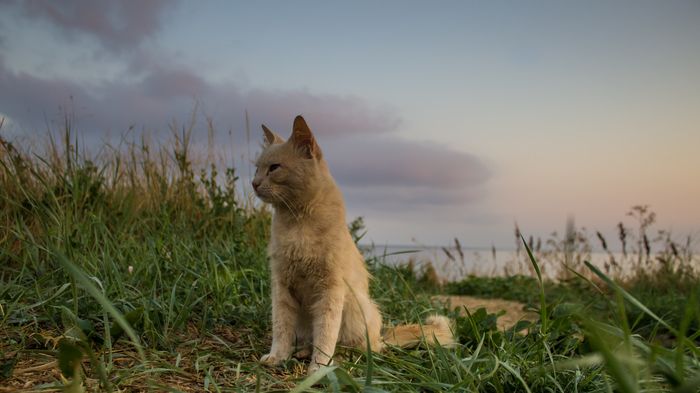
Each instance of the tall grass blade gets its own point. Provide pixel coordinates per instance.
(619, 373)
(313, 379)
(644, 308)
(87, 284)
(543, 299)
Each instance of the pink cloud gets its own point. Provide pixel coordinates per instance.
(397, 198)
(394, 161)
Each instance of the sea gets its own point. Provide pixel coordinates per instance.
(455, 264)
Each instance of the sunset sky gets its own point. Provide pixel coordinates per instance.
(437, 119)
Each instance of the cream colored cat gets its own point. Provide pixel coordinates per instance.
(320, 283)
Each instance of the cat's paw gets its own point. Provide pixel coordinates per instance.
(271, 359)
(313, 367)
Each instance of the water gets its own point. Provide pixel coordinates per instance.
(487, 262)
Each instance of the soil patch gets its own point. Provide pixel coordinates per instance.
(514, 310)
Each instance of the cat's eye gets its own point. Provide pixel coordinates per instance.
(274, 166)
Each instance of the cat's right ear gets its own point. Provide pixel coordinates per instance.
(271, 138)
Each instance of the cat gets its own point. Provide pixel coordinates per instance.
(320, 282)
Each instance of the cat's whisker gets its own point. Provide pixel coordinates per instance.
(289, 206)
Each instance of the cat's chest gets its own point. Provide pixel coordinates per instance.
(300, 255)
(310, 239)
(300, 270)
(296, 244)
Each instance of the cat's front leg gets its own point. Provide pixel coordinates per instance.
(327, 317)
(285, 312)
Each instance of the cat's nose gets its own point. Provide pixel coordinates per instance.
(255, 185)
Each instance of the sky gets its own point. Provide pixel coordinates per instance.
(437, 119)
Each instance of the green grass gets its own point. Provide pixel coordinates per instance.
(193, 313)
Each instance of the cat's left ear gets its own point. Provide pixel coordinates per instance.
(304, 140)
(271, 138)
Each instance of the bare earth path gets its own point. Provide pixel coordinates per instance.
(514, 310)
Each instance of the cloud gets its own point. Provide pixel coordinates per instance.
(330, 114)
(157, 88)
(404, 163)
(20, 93)
(398, 198)
(389, 172)
(166, 93)
(373, 165)
(165, 84)
(118, 25)
(3, 40)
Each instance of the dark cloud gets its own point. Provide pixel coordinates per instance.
(119, 25)
(374, 170)
(164, 94)
(373, 166)
(3, 40)
(165, 84)
(159, 88)
(22, 93)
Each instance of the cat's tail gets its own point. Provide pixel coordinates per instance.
(435, 328)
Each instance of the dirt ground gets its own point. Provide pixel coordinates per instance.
(32, 371)
(514, 310)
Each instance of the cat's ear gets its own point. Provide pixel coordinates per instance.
(271, 138)
(303, 139)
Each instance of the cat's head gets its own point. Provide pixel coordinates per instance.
(289, 172)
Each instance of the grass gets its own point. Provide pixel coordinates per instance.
(143, 268)
(664, 281)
